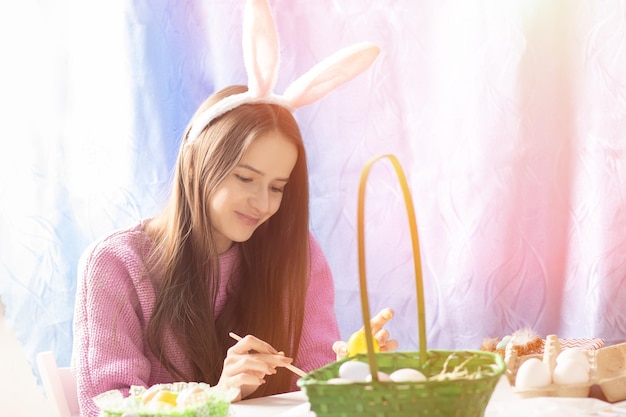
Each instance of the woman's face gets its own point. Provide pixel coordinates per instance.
(252, 192)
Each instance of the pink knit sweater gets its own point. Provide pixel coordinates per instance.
(115, 300)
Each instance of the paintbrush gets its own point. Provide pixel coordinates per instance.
(292, 368)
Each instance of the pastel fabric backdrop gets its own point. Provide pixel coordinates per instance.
(508, 117)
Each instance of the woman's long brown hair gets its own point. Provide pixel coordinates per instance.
(268, 300)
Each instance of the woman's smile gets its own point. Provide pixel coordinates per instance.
(249, 220)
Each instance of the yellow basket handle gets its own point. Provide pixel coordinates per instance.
(408, 201)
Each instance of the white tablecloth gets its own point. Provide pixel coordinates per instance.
(503, 403)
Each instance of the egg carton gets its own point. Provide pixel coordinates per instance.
(607, 369)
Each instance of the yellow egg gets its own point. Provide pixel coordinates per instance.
(357, 344)
(164, 397)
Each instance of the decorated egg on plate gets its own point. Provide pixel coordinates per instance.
(151, 393)
(164, 398)
(191, 396)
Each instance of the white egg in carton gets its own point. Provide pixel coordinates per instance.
(569, 372)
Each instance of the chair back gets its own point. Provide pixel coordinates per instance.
(59, 384)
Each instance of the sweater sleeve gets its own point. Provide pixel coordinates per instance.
(320, 329)
(108, 339)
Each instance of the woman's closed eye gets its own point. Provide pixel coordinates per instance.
(278, 189)
(273, 188)
(243, 179)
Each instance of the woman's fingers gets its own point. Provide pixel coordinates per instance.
(390, 346)
(248, 362)
(255, 362)
(248, 343)
(248, 371)
(382, 337)
(384, 342)
(380, 319)
(245, 378)
(251, 350)
(341, 349)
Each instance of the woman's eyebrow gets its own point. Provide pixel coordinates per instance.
(246, 166)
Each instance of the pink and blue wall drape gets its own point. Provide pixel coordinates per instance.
(509, 119)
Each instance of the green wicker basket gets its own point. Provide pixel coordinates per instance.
(461, 396)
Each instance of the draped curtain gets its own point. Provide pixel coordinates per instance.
(508, 117)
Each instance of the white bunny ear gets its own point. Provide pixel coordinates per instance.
(327, 75)
(261, 58)
(260, 48)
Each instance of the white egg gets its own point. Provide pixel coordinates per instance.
(338, 381)
(574, 355)
(533, 373)
(570, 372)
(355, 371)
(407, 375)
(381, 377)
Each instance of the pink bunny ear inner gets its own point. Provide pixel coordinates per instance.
(260, 48)
(327, 75)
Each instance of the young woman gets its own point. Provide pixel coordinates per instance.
(231, 252)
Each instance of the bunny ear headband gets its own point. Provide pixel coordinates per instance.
(261, 56)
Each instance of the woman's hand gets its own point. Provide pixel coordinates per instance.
(247, 363)
(380, 334)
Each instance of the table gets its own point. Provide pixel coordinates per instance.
(503, 403)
